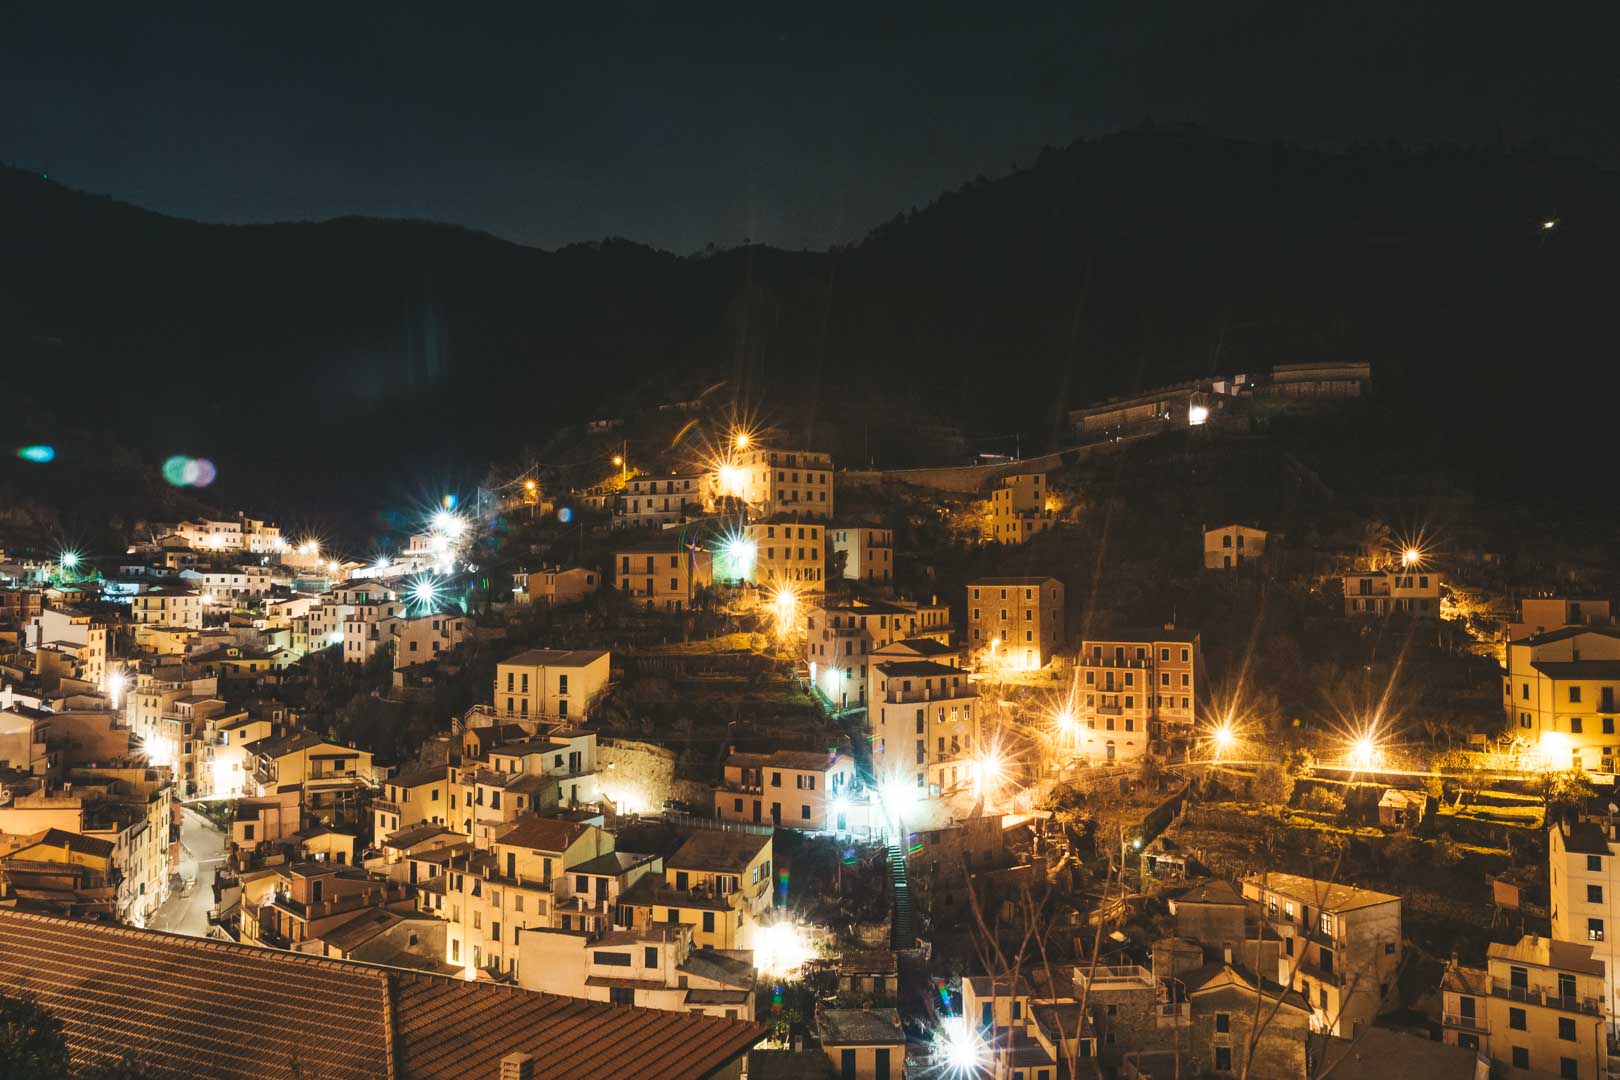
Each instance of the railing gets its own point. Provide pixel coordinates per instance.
(1465, 1023)
(1110, 662)
(1127, 977)
(1592, 1006)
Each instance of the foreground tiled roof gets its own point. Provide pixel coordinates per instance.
(198, 1007)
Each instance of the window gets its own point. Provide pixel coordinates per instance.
(708, 922)
(1223, 1022)
(1521, 1057)
(1223, 1059)
(1574, 695)
(622, 995)
(1568, 1069)
(1594, 894)
(1516, 1019)
(1594, 929)
(649, 957)
(611, 959)
(1566, 1029)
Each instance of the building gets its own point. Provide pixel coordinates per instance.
(330, 777)
(787, 553)
(1020, 507)
(420, 796)
(1135, 683)
(779, 482)
(719, 883)
(168, 605)
(1539, 1006)
(1583, 893)
(1185, 404)
(1411, 592)
(868, 553)
(1232, 546)
(550, 684)
(841, 640)
(554, 585)
(795, 789)
(58, 872)
(1341, 946)
(1541, 614)
(78, 636)
(924, 725)
(1014, 623)
(1331, 379)
(655, 968)
(257, 1014)
(863, 1044)
(1559, 694)
(422, 639)
(664, 574)
(655, 501)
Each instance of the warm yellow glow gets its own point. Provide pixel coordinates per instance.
(309, 547)
(529, 485)
(741, 440)
(780, 950)
(115, 687)
(786, 605)
(1411, 557)
(732, 479)
(1365, 753)
(1224, 738)
(617, 460)
(1556, 749)
(208, 598)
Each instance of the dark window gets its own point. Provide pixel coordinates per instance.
(708, 922)
(1594, 862)
(1521, 1057)
(1594, 894)
(611, 959)
(1568, 1069)
(649, 957)
(1223, 1059)
(621, 995)
(1223, 1022)
(1516, 1019)
(1566, 1029)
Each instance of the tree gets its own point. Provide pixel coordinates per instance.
(1272, 786)
(32, 1046)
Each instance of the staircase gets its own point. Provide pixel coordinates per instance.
(903, 934)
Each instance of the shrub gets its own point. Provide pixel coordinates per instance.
(1323, 800)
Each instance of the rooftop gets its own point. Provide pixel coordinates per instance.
(860, 1027)
(726, 852)
(542, 834)
(802, 760)
(1547, 953)
(556, 657)
(1323, 895)
(997, 582)
(192, 1006)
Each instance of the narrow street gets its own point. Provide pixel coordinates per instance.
(202, 851)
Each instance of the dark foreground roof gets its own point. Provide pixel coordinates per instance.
(206, 1008)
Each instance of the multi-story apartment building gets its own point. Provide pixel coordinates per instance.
(663, 574)
(795, 789)
(840, 640)
(1232, 546)
(554, 585)
(924, 724)
(224, 764)
(772, 482)
(25, 738)
(369, 626)
(422, 639)
(718, 883)
(550, 684)
(1020, 507)
(420, 796)
(1541, 614)
(1341, 946)
(1411, 592)
(1538, 1008)
(1014, 623)
(330, 777)
(520, 882)
(661, 500)
(868, 553)
(168, 605)
(19, 607)
(1583, 893)
(78, 636)
(1561, 694)
(787, 553)
(1133, 682)
(655, 967)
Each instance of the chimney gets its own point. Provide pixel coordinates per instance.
(517, 1067)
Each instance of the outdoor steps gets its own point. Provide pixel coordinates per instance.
(903, 934)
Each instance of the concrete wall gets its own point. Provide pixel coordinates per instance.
(970, 479)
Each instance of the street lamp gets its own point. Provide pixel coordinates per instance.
(741, 440)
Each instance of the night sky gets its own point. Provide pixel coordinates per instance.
(800, 126)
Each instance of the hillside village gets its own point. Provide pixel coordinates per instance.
(1179, 750)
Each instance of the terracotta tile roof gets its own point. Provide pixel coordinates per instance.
(542, 834)
(198, 1007)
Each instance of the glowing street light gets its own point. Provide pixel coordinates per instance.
(780, 950)
(69, 559)
(115, 687)
(1365, 752)
(529, 485)
(1549, 225)
(618, 460)
(960, 1048)
(732, 480)
(426, 594)
(1223, 738)
(896, 794)
(741, 440)
(449, 523)
(786, 603)
(1411, 557)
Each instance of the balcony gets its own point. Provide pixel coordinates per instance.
(1110, 662)
(1128, 977)
(1459, 1022)
(1591, 1006)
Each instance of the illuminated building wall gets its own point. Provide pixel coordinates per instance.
(1015, 623)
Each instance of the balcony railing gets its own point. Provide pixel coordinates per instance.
(1530, 996)
(1110, 662)
(1466, 1023)
(1127, 977)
